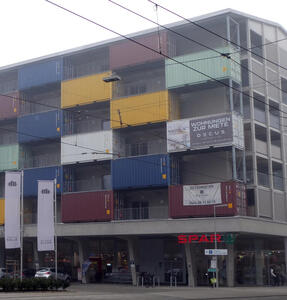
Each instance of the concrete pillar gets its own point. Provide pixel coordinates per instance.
(230, 265)
(132, 259)
(2, 253)
(190, 264)
(81, 259)
(285, 248)
(36, 254)
(259, 261)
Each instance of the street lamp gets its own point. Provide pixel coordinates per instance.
(229, 205)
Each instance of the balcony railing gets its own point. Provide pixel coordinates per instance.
(141, 213)
(41, 161)
(278, 182)
(263, 179)
(151, 147)
(93, 184)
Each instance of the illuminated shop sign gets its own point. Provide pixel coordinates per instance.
(228, 238)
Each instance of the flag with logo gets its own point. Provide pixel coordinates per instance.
(12, 209)
(45, 228)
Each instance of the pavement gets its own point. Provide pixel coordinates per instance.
(115, 292)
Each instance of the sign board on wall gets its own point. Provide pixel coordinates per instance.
(204, 132)
(202, 194)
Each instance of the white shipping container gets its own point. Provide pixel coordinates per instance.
(86, 147)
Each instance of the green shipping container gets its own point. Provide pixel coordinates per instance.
(9, 157)
(207, 62)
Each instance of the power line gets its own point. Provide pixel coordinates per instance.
(214, 33)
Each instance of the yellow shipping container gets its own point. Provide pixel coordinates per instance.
(2, 211)
(85, 90)
(142, 109)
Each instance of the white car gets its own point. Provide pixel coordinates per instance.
(51, 273)
(3, 272)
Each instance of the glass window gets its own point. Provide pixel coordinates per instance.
(274, 114)
(284, 90)
(259, 108)
(262, 172)
(277, 171)
(256, 45)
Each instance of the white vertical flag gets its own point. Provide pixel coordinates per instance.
(12, 209)
(45, 228)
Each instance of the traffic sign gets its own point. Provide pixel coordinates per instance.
(215, 251)
(211, 270)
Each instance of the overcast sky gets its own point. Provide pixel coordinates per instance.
(33, 28)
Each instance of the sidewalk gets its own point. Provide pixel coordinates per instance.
(180, 292)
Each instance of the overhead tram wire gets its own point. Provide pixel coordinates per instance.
(214, 33)
(162, 54)
(227, 55)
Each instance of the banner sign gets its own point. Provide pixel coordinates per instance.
(178, 134)
(202, 194)
(45, 229)
(12, 209)
(210, 131)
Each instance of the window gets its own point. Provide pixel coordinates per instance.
(259, 108)
(256, 45)
(284, 90)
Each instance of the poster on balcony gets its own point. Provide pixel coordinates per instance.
(211, 131)
(12, 209)
(178, 135)
(45, 224)
(238, 132)
(202, 194)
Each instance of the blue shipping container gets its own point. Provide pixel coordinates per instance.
(36, 127)
(142, 171)
(41, 73)
(32, 175)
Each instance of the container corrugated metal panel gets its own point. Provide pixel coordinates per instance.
(142, 109)
(32, 175)
(2, 211)
(85, 90)
(87, 207)
(178, 75)
(9, 105)
(9, 157)
(127, 53)
(88, 147)
(142, 171)
(231, 192)
(41, 73)
(36, 127)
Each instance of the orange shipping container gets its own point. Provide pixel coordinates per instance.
(85, 90)
(2, 211)
(142, 109)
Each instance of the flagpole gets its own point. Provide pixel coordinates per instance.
(22, 224)
(55, 222)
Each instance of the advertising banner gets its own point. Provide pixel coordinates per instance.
(12, 209)
(211, 131)
(178, 135)
(45, 229)
(202, 194)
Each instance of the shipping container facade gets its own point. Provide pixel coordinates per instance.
(37, 127)
(41, 73)
(127, 53)
(85, 90)
(49, 173)
(88, 147)
(9, 157)
(142, 109)
(87, 207)
(9, 105)
(2, 211)
(178, 75)
(141, 171)
(231, 192)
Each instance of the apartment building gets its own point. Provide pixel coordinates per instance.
(159, 149)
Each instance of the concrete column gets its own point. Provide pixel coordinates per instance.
(285, 248)
(259, 261)
(2, 253)
(190, 265)
(81, 258)
(132, 259)
(36, 254)
(230, 265)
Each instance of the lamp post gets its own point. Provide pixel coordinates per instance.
(229, 205)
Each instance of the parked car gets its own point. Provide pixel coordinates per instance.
(2, 272)
(51, 273)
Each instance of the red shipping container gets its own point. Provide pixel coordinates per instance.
(231, 192)
(9, 105)
(127, 52)
(87, 206)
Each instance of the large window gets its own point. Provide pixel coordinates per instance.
(284, 90)
(256, 45)
(259, 108)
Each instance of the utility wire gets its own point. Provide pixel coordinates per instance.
(216, 34)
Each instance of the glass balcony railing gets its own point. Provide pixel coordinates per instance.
(263, 179)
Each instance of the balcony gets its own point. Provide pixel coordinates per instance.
(263, 179)
(91, 184)
(141, 213)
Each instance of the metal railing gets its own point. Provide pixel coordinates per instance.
(44, 160)
(93, 184)
(141, 213)
(151, 147)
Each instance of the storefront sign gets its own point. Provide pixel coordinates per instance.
(215, 252)
(203, 194)
(12, 209)
(227, 238)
